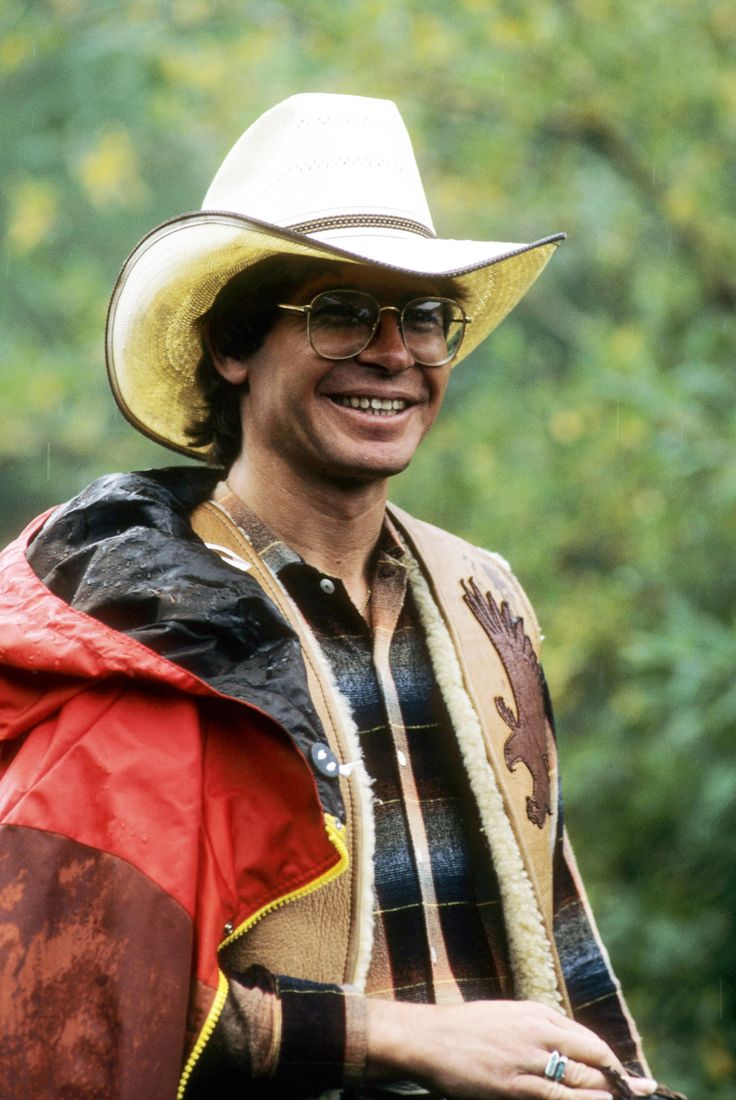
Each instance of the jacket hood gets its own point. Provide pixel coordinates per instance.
(116, 583)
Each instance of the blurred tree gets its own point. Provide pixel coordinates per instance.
(591, 440)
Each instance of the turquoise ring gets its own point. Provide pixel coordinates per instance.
(556, 1066)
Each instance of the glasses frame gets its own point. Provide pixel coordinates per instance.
(398, 310)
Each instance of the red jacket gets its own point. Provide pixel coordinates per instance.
(133, 828)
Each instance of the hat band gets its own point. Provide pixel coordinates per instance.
(363, 221)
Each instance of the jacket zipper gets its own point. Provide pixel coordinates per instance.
(334, 833)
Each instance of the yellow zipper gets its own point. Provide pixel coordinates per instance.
(335, 833)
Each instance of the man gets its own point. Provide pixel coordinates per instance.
(277, 759)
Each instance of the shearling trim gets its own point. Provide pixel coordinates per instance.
(530, 952)
(337, 712)
(365, 828)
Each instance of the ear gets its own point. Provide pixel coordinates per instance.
(232, 370)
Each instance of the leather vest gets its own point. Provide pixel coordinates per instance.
(483, 639)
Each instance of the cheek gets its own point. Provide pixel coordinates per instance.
(256, 401)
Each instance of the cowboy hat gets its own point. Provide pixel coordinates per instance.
(326, 176)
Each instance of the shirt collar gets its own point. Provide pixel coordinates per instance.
(277, 555)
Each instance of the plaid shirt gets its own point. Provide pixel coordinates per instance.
(439, 933)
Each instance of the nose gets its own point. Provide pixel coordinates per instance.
(387, 349)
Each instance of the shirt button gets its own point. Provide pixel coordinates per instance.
(327, 586)
(324, 760)
(386, 570)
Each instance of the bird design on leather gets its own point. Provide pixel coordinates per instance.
(527, 743)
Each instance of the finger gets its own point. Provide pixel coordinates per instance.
(621, 1084)
(641, 1086)
(627, 1086)
(585, 1046)
(562, 1092)
(562, 1070)
(542, 1089)
(578, 1075)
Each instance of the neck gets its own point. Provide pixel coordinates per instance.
(334, 527)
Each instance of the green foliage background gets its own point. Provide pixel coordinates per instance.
(591, 440)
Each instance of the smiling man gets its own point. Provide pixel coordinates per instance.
(279, 796)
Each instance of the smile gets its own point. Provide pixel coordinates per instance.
(374, 406)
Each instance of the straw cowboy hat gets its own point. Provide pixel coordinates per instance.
(327, 176)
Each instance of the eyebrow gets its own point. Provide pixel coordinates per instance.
(407, 296)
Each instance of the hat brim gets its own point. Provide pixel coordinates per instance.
(174, 275)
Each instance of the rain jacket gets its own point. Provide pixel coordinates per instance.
(117, 872)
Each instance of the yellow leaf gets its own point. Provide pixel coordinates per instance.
(188, 12)
(205, 69)
(566, 425)
(15, 49)
(34, 208)
(109, 172)
(626, 344)
(726, 84)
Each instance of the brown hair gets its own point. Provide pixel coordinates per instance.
(236, 325)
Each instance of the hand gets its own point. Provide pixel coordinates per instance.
(490, 1050)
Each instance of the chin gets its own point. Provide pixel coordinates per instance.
(365, 465)
(361, 475)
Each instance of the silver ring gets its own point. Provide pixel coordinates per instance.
(556, 1066)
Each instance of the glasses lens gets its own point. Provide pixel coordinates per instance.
(433, 329)
(341, 322)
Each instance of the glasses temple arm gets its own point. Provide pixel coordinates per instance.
(294, 309)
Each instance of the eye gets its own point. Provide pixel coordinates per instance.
(425, 317)
(337, 311)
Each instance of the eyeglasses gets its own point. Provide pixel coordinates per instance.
(342, 323)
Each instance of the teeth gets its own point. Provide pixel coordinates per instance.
(376, 406)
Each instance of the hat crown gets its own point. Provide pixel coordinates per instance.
(317, 160)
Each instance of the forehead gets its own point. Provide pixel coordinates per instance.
(383, 282)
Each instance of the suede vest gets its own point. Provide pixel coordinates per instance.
(483, 639)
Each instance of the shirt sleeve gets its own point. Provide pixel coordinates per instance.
(277, 1035)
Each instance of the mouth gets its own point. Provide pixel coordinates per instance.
(373, 406)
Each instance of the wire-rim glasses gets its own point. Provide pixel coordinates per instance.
(342, 323)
